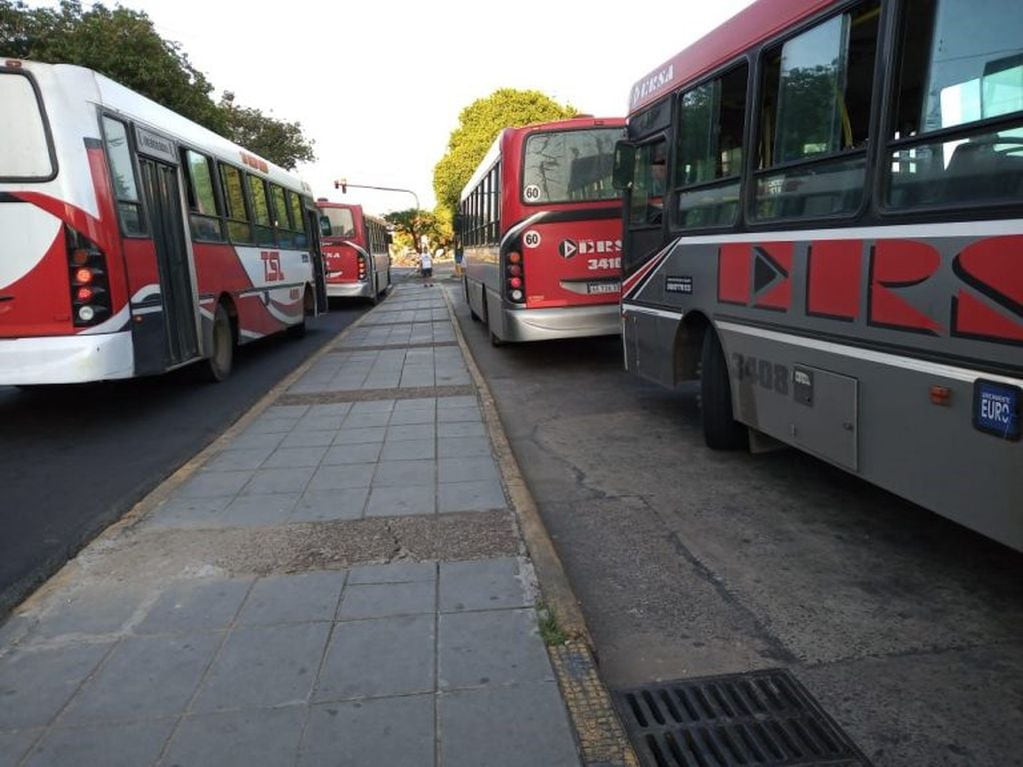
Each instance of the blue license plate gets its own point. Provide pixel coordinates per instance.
(996, 408)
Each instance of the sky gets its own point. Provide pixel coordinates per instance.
(378, 85)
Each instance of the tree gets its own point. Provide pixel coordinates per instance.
(120, 43)
(478, 126)
(278, 141)
(412, 224)
(123, 45)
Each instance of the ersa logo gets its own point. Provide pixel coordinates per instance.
(569, 248)
(652, 83)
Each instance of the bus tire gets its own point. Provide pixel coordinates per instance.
(720, 429)
(217, 367)
(308, 302)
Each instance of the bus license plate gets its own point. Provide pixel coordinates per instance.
(996, 408)
(602, 287)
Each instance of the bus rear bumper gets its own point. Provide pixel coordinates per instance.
(65, 359)
(569, 322)
(350, 290)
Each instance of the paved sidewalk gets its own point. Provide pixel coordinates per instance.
(342, 583)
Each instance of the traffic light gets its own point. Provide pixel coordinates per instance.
(342, 184)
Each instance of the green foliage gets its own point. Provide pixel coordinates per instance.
(478, 126)
(410, 226)
(278, 141)
(123, 45)
(120, 43)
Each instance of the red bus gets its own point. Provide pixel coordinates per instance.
(539, 227)
(355, 250)
(840, 255)
(134, 241)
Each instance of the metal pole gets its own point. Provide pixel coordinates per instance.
(343, 184)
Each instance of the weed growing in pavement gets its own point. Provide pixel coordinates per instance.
(550, 631)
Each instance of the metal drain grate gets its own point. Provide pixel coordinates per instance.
(762, 718)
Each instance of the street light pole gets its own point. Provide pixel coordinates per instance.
(343, 185)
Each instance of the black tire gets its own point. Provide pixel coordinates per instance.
(217, 367)
(720, 429)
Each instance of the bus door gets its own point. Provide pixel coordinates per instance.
(316, 253)
(163, 200)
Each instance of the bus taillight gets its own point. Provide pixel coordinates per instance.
(514, 275)
(362, 268)
(87, 276)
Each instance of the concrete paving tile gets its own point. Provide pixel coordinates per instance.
(102, 745)
(94, 609)
(412, 417)
(254, 441)
(341, 477)
(263, 666)
(373, 406)
(308, 439)
(481, 584)
(238, 738)
(265, 425)
(333, 409)
(397, 433)
(467, 469)
(462, 429)
(409, 449)
(14, 744)
(384, 600)
(359, 436)
(523, 725)
(275, 481)
(320, 423)
(210, 484)
(354, 734)
(401, 473)
(366, 420)
(451, 415)
(492, 647)
(418, 403)
(386, 656)
(470, 496)
(239, 460)
(13, 629)
(258, 510)
(35, 684)
(300, 598)
(401, 501)
(286, 411)
(295, 457)
(462, 447)
(195, 605)
(394, 572)
(360, 453)
(329, 505)
(144, 678)
(461, 401)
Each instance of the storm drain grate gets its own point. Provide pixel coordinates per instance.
(761, 718)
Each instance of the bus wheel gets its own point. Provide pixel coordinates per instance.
(298, 331)
(494, 340)
(720, 429)
(218, 365)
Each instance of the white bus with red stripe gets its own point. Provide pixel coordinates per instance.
(134, 241)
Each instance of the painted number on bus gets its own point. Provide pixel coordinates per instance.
(531, 193)
(595, 264)
(766, 374)
(531, 239)
(272, 265)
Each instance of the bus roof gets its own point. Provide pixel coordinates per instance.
(754, 24)
(325, 203)
(570, 123)
(76, 82)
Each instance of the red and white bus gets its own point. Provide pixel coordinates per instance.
(356, 251)
(540, 230)
(840, 255)
(133, 241)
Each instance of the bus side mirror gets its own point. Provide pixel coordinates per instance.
(324, 226)
(625, 162)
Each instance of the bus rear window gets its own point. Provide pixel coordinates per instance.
(25, 150)
(337, 222)
(570, 166)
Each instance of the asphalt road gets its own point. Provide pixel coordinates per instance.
(907, 628)
(74, 459)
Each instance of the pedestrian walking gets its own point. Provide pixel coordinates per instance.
(426, 268)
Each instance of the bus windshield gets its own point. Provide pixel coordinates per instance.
(570, 166)
(24, 148)
(337, 222)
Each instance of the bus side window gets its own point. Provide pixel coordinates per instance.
(204, 212)
(260, 210)
(815, 113)
(298, 221)
(129, 207)
(281, 215)
(238, 227)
